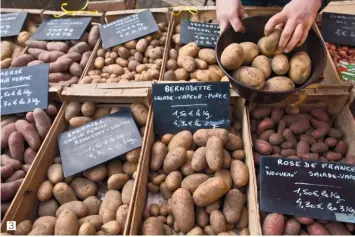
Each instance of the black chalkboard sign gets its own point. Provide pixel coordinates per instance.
(190, 106)
(203, 34)
(24, 88)
(11, 23)
(128, 28)
(338, 28)
(98, 141)
(305, 188)
(70, 28)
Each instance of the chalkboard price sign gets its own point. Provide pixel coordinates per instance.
(24, 88)
(128, 28)
(62, 28)
(11, 23)
(306, 188)
(203, 34)
(98, 141)
(190, 106)
(338, 28)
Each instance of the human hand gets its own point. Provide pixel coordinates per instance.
(297, 18)
(230, 12)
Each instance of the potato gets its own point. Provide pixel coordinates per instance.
(93, 36)
(87, 229)
(83, 188)
(208, 55)
(159, 152)
(214, 153)
(99, 63)
(6, 63)
(232, 56)
(181, 74)
(43, 226)
(16, 146)
(209, 191)
(36, 44)
(240, 173)
(57, 46)
(80, 47)
(29, 133)
(268, 44)
(201, 136)
(36, 52)
(292, 227)
(198, 162)
(129, 167)
(280, 65)
(250, 52)
(67, 224)
(182, 207)
(117, 181)
(243, 220)
(72, 110)
(111, 202)
(195, 231)
(233, 205)
(173, 180)
(189, 64)
(77, 207)
(153, 226)
(16, 51)
(94, 220)
(192, 181)
(64, 193)
(48, 208)
(22, 60)
(58, 77)
(96, 174)
(336, 228)
(181, 139)
(140, 113)
(121, 216)
(111, 228)
(190, 49)
(127, 191)
(174, 159)
(317, 228)
(218, 222)
(279, 84)
(250, 76)
(200, 64)
(300, 68)
(23, 228)
(45, 191)
(274, 224)
(93, 205)
(8, 161)
(6, 49)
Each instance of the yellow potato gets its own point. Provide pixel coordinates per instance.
(251, 77)
(300, 68)
(279, 83)
(232, 56)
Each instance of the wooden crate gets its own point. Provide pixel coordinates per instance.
(25, 203)
(160, 15)
(53, 96)
(34, 15)
(208, 15)
(333, 100)
(113, 5)
(141, 193)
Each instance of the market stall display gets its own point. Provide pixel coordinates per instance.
(12, 47)
(22, 136)
(309, 133)
(66, 170)
(133, 61)
(97, 200)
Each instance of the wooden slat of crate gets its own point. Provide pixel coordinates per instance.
(96, 17)
(253, 208)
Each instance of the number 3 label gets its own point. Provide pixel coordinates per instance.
(10, 225)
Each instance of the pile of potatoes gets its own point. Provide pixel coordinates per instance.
(21, 138)
(307, 135)
(202, 179)
(263, 67)
(191, 63)
(135, 60)
(10, 50)
(67, 60)
(341, 53)
(94, 202)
